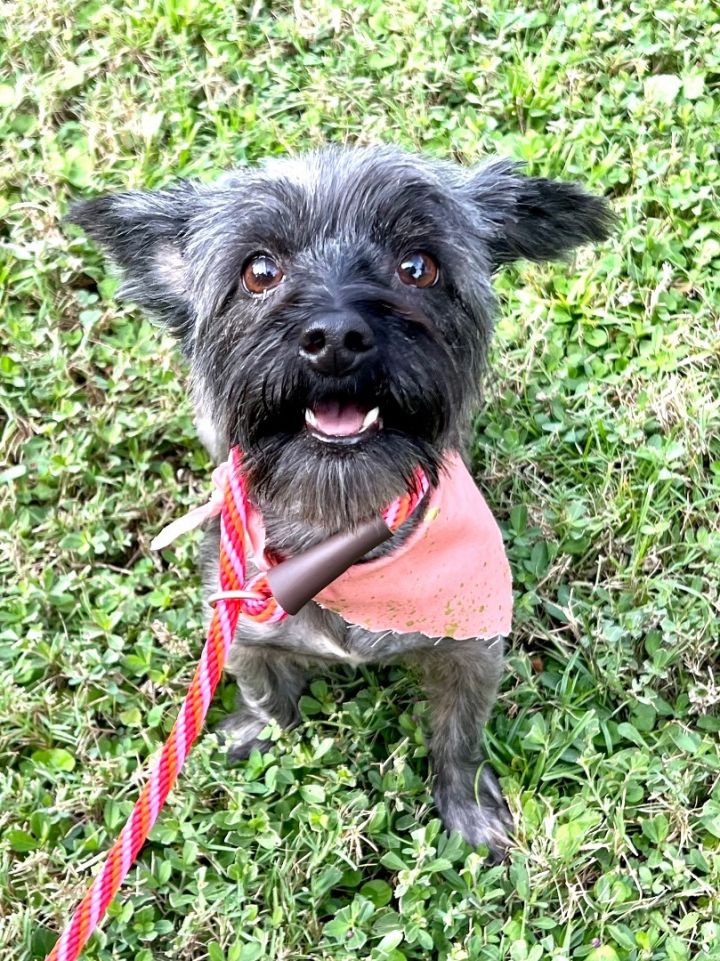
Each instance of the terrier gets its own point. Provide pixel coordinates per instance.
(335, 311)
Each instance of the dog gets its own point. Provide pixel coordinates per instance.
(335, 310)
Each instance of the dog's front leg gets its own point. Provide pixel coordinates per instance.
(461, 679)
(270, 683)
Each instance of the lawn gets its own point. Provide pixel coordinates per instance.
(598, 448)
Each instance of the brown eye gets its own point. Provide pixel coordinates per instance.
(261, 273)
(418, 270)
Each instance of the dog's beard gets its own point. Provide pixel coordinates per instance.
(333, 489)
(278, 416)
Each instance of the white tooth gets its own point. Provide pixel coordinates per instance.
(370, 418)
(310, 418)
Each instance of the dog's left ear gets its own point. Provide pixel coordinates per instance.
(530, 218)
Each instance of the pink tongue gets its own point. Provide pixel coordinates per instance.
(339, 420)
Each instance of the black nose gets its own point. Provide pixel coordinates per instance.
(336, 343)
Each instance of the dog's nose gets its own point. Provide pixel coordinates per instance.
(336, 343)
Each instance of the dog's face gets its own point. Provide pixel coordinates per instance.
(336, 309)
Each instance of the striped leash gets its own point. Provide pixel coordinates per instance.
(236, 597)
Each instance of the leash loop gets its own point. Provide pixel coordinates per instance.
(234, 596)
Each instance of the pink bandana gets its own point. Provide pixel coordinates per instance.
(451, 578)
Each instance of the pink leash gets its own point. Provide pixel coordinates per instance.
(236, 597)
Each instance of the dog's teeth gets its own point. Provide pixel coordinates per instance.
(310, 418)
(370, 418)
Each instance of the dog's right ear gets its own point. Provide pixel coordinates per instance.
(145, 234)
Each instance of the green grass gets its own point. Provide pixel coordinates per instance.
(599, 450)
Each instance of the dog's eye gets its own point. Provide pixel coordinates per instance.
(418, 270)
(261, 273)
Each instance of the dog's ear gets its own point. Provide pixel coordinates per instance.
(144, 233)
(530, 218)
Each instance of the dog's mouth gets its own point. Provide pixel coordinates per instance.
(342, 421)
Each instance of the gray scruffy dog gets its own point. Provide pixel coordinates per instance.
(336, 310)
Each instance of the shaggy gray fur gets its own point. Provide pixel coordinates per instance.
(338, 222)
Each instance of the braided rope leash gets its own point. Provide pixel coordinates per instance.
(236, 597)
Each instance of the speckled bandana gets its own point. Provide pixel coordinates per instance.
(450, 579)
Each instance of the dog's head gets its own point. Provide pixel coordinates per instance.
(336, 308)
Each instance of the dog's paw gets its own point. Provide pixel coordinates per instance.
(481, 815)
(240, 733)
